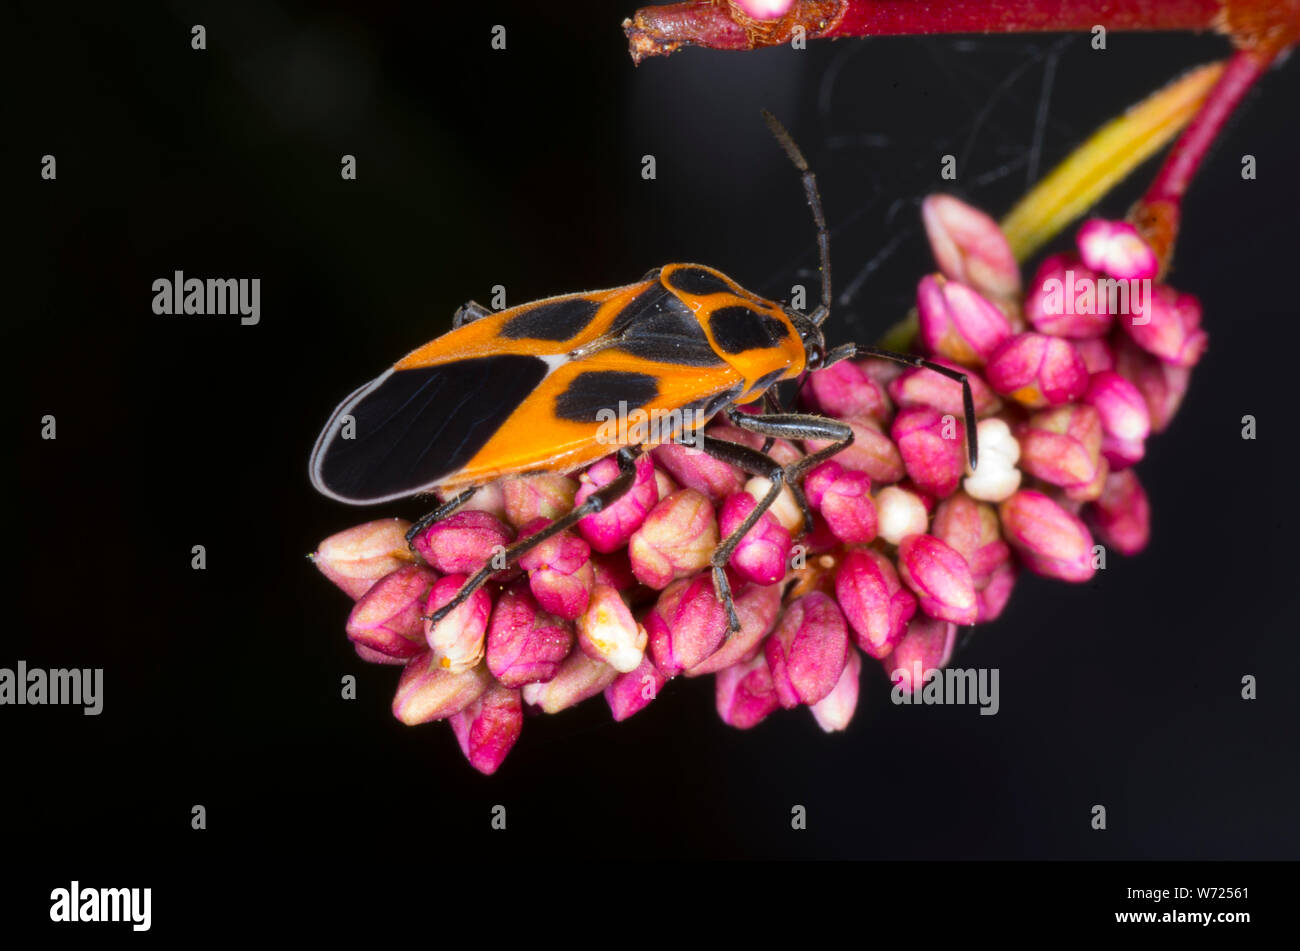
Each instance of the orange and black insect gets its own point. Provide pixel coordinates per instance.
(526, 389)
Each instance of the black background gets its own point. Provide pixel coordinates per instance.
(522, 167)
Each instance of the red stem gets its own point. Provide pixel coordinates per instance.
(1185, 157)
(1158, 212)
(725, 24)
(894, 17)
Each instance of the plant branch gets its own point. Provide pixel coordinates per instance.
(730, 24)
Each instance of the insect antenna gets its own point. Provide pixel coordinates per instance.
(819, 315)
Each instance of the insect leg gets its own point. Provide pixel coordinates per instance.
(967, 401)
(773, 406)
(596, 502)
(467, 313)
(438, 514)
(755, 463)
(800, 426)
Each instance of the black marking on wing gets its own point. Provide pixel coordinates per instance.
(656, 325)
(696, 280)
(597, 390)
(421, 425)
(737, 329)
(559, 320)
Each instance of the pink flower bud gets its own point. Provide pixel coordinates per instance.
(957, 323)
(676, 540)
(686, 625)
(757, 606)
(971, 529)
(875, 603)
(609, 530)
(1097, 353)
(940, 577)
(545, 495)
(692, 469)
(428, 691)
(1122, 515)
(871, 452)
(808, 650)
(564, 552)
(387, 619)
(525, 645)
(1115, 248)
(921, 387)
(1122, 453)
(664, 483)
(1088, 491)
(578, 678)
(490, 498)
(844, 389)
(819, 479)
(1062, 445)
(608, 632)
(559, 571)
(463, 542)
(1037, 371)
(1119, 403)
(835, 710)
(843, 498)
(375, 657)
(1163, 385)
(785, 509)
(899, 513)
(1172, 328)
(565, 596)
(356, 558)
(1050, 540)
(457, 640)
(996, 592)
(933, 447)
(1067, 299)
(926, 646)
(745, 694)
(969, 246)
(762, 553)
(632, 692)
(489, 727)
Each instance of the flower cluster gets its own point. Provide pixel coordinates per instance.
(907, 543)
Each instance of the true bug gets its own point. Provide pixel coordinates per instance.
(523, 390)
